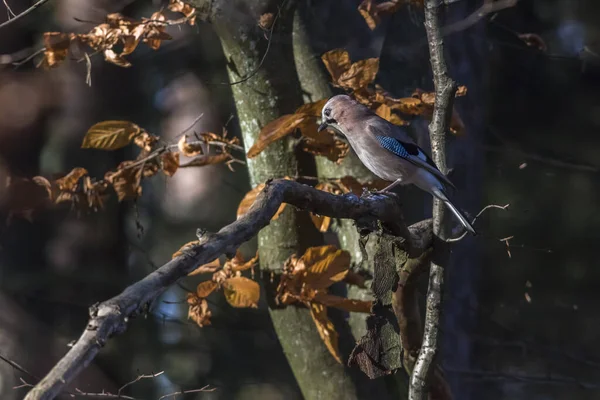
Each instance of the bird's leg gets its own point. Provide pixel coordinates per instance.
(390, 187)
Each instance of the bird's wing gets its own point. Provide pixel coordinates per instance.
(412, 153)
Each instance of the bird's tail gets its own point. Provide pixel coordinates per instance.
(463, 220)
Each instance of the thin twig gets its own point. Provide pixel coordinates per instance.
(202, 389)
(23, 14)
(445, 89)
(139, 378)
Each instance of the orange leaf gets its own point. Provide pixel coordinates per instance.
(110, 135)
(170, 162)
(185, 9)
(350, 305)
(198, 310)
(359, 75)
(275, 130)
(112, 57)
(145, 141)
(241, 292)
(187, 149)
(205, 288)
(326, 329)
(238, 263)
(326, 265)
(56, 48)
(184, 248)
(337, 62)
(249, 199)
(206, 268)
(126, 181)
(69, 181)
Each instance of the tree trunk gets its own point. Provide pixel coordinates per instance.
(274, 90)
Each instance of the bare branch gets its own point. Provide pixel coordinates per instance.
(111, 317)
(445, 89)
(23, 14)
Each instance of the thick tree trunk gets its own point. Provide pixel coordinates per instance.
(272, 91)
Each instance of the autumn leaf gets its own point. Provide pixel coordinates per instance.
(326, 329)
(237, 264)
(326, 265)
(185, 248)
(56, 46)
(372, 12)
(198, 310)
(275, 130)
(186, 9)
(249, 199)
(206, 268)
(110, 135)
(343, 303)
(126, 181)
(322, 143)
(112, 57)
(337, 62)
(208, 159)
(187, 149)
(205, 288)
(360, 74)
(170, 162)
(69, 181)
(95, 192)
(145, 141)
(241, 292)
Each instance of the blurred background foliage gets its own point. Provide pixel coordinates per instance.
(520, 318)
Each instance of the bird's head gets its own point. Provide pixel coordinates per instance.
(336, 111)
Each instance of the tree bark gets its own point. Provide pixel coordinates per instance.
(274, 90)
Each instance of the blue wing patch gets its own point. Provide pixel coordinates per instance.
(393, 145)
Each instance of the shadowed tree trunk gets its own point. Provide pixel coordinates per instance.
(274, 90)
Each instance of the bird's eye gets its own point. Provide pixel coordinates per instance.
(327, 112)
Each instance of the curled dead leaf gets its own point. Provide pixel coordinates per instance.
(56, 46)
(241, 292)
(69, 181)
(187, 149)
(274, 131)
(205, 288)
(110, 135)
(186, 9)
(145, 141)
(337, 62)
(348, 75)
(198, 310)
(126, 181)
(326, 329)
(169, 162)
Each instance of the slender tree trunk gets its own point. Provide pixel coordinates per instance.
(273, 90)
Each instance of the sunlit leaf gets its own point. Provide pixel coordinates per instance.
(241, 292)
(186, 9)
(337, 62)
(185, 247)
(187, 149)
(360, 74)
(205, 288)
(198, 310)
(56, 46)
(145, 141)
(275, 130)
(170, 162)
(326, 329)
(69, 181)
(110, 135)
(343, 303)
(326, 265)
(321, 222)
(112, 57)
(238, 263)
(206, 268)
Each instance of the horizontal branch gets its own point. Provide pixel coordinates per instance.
(111, 317)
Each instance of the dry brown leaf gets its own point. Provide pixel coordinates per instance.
(326, 265)
(343, 303)
(326, 329)
(312, 109)
(321, 222)
(249, 199)
(198, 310)
(187, 149)
(208, 159)
(184, 248)
(211, 267)
(275, 130)
(112, 57)
(145, 141)
(110, 135)
(322, 143)
(56, 46)
(169, 162)
(186, 9)
(241, 292)
(205, 288)
(126, 181)
(69, 181)
(360, 74)
(237, 264)
(95, 192)
(266, 21)
(337, 62)
(372, 12)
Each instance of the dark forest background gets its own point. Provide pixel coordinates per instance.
(520, 318)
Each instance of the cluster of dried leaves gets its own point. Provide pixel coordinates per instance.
(356, 78)
(347, 184)
(25, 196)
(240, 292)
(117, 31)
(306, 280)
(372, 10)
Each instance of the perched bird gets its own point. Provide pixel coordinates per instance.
(387, 150)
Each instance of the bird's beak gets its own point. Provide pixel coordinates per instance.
(322, 127)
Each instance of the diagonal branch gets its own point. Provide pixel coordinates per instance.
(111, 317)
(445, 89)
(17, 17)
